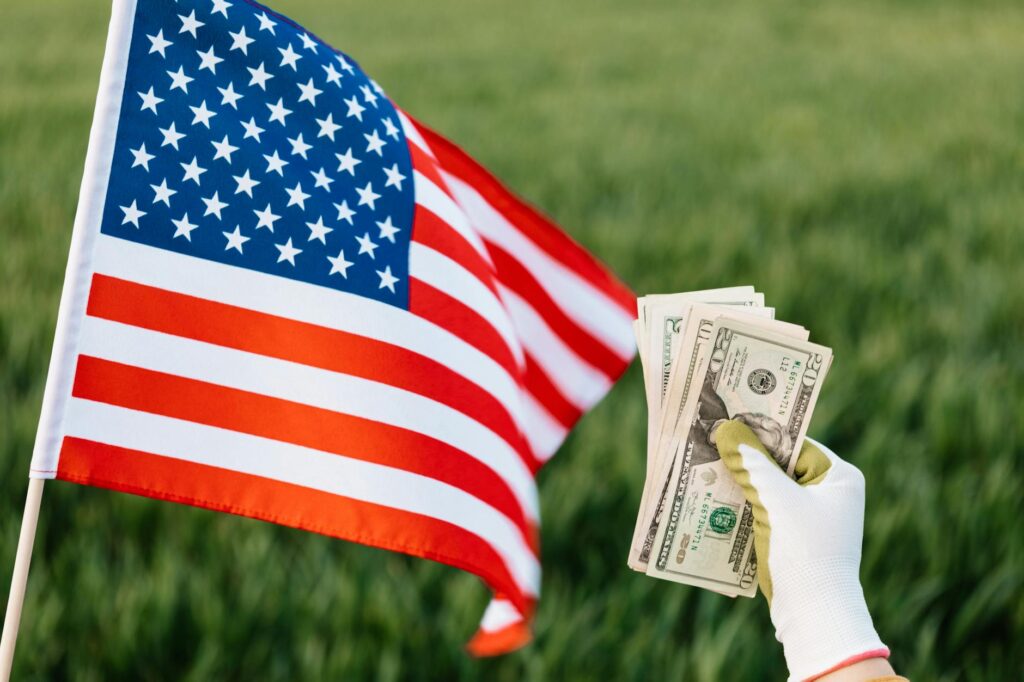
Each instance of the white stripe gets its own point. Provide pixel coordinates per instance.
(306, 467)
(444, 274)
(413, 133)
(586, 305)
(499, 615)
(307, 385)
(306, 303)
(433, 198)
(544, 433)
(580, 383)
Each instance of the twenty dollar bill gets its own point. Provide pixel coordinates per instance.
(768, 380)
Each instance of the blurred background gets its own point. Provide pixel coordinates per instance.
(861, 163)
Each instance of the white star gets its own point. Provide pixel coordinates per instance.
(259, 76)
(278, 112)
(288, 252)
(229, 96)
(368, 95)
(345, 66)
(202, 114)
(387, 279)
(318, 230)
(299, 146)
(224, 149)
(309, 92)
(267, 218)
(183, 228)
(240, 41)
(189, 24)
(389, 129)
(235, 239)
(347, 162)
(149, 100)
(308, 42)
(388, 230)
(322, 180)
(395, 177)
(245, 183)
(339, 264)
(367, 196)
(163, 193)
(327, 127)
(376, 87)
(132, 214)
(158, 43)
(251, 129)
(374, 143)
(220, 6)
(192, 170)
(344, 212)
(208, 60)
(296, 196)
(266, 24)
(142, 157)
(275, 164)
(355, 108)
(366, 245)
(171, 136)
(180, 80)
(214, 205)
(289, 57)
(333, 75)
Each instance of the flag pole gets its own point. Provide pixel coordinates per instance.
(20, 577)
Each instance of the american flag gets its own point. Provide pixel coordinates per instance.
(286, 299)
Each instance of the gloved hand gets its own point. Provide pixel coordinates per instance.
(807, 536)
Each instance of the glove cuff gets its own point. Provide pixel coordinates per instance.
(821, 618)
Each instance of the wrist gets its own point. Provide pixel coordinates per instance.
(821, 618)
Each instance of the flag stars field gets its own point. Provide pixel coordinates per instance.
(269, 116)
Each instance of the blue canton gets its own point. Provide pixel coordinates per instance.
(245, 140)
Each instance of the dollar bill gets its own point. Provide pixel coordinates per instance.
(659, 330)
(755, 372)
(693, 346)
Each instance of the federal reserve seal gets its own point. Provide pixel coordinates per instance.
(761, 381)
(722, 520)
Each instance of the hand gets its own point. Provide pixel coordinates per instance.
(807, 536)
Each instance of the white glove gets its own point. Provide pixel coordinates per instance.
(807, 536)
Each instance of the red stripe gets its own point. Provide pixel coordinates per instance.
(547, 394)
(308, 344)
(439, 308)
(509, 638)
(433, 232)
(312, 427)
(517, 278)
(166, 478)
(426, 165)
(536, 227)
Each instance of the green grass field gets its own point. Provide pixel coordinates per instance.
(861, 163)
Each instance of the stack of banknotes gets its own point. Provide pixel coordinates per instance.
(710, 356)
